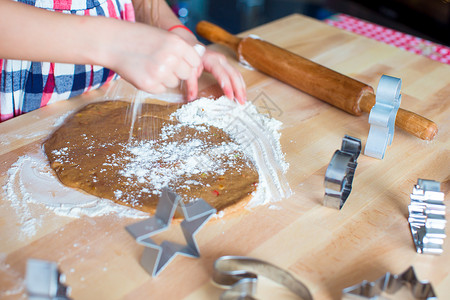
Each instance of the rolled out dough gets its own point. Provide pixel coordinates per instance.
(92, 151)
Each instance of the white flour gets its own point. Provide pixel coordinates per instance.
(58, 122)
(32, 182)
(161, 163)
(256, 134)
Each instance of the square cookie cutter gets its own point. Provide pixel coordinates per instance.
(427, 217)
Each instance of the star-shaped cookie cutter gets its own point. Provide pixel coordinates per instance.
(156, 257)
(427, 217)
(240, 275)
(382, 116)
(391, 283)
(340, 172)
(43, 280)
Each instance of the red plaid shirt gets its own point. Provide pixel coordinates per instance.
(26, 85)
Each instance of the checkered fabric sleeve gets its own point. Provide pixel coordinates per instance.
(26, 85)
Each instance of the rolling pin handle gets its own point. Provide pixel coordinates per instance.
(415, 124)
(215, 34)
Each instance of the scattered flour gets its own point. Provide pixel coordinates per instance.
(31, 181)
(175, 97)
(219, 215)
(257, 135)
(121, 89)
(161, 163)
(274, 207)
(58, 122)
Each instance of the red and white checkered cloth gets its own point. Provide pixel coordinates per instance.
(392, 37)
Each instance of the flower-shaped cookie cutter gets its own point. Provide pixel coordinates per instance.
(240, 275)
(43, 280)
(427, 217)
(382, 116)
(156, 257)
(391, 283)
(340, 172)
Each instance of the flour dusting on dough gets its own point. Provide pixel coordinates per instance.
(163, 162)
(257, 134)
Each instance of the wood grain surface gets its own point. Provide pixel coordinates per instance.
(326, 249)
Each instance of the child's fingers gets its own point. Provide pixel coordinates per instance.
(237, 82)
(224, 81)
(170, 80)
(183, 70)
(228, 77)
(170, 73)
(150, 86)
(200, 70)
(191, 56)
(156, 63)
(192, 86)
(177, 45)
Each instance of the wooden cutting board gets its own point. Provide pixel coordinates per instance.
(326, 249)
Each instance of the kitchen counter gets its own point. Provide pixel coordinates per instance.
(326, 249)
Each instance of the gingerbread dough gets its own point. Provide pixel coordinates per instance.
(92, 151)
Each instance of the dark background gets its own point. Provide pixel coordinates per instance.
(428, 19)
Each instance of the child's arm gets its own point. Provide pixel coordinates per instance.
(153, 63)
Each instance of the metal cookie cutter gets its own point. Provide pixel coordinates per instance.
(391, 283)
(44, 281)
(427, 217)
(156, 257)
(240, 274)
(382, 116)
(340, 172)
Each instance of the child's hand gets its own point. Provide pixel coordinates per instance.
(229, 78)
(152, 59)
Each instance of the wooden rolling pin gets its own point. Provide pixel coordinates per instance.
(325, 84)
